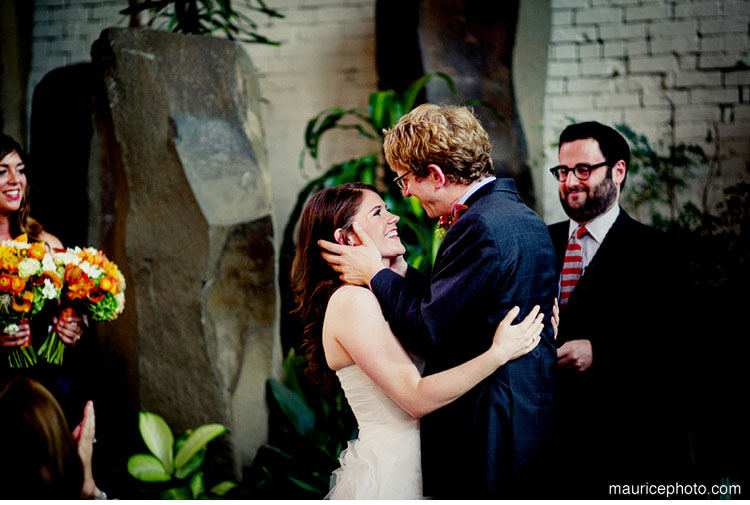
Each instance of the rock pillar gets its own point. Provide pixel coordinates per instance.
(185, 203)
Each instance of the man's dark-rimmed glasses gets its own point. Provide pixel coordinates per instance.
(582, 171)
(399, 181)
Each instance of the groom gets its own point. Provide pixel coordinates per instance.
(496, 254)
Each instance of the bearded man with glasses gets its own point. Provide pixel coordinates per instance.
(622, 333)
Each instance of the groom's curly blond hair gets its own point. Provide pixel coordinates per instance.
(448, 136)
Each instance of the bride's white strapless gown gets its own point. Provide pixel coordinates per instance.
(384, 462)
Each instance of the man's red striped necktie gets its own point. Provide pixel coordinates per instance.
(572, 266)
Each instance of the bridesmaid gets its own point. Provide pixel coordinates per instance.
(14, 221)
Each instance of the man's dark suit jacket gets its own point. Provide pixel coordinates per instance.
(619, 421)
(497, 255)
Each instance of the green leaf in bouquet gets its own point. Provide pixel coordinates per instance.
(104, 310)
(197, 441)
(158, 438)
(147, 468)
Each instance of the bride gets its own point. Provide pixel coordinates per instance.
(345, 331)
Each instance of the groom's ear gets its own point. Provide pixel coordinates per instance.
(436, 175)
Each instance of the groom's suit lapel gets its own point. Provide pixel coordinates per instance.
(481, 192)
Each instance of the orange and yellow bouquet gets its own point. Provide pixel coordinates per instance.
(28, 279)
(93, 285)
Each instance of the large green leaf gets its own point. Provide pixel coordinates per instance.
(379, 108)
(197, 441)
(177, 493)
(196, 486)
(410, 95)
(158, 437)
(147, 468)
(191, 465)
(298, 413)
(306, 486)
(223, 488)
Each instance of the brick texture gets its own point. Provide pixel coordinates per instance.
(646, 62)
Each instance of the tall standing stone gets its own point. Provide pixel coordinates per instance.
(186, 211)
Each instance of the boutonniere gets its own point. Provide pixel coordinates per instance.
(447, 220)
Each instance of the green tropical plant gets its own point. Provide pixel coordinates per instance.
(307, 431)
(175, 464)
(202, 17)
(656, 178)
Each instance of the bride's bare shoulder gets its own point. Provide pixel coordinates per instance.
(351, 293)
(350, 299)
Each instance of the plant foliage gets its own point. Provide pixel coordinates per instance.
(173, 466)
(307, 431)
(205, 17)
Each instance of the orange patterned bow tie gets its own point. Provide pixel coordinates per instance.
(446, 220)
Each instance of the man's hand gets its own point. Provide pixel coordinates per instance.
(356, 264)
(576, 354)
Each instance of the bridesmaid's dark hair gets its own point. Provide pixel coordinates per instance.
(313, 280)
(20, 220)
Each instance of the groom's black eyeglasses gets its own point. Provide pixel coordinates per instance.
(398, 181)
(582, 171)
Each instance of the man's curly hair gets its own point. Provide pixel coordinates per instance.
(448, 136)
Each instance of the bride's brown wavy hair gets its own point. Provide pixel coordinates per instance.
(313, 280)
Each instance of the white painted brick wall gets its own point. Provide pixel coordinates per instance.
(327, 59)
(644, 61)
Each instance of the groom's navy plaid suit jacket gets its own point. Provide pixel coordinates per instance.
(498, 254)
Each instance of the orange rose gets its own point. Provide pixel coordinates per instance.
(21, 238)
(79, 284)
(108, 284)
(4, 282)
(72, 273)
(17, 284)
(37, 251)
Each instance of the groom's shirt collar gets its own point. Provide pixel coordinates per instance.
(474, 187)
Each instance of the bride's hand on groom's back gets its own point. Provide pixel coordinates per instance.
(515, 340)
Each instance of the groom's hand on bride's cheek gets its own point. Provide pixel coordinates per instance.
(355, 265)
